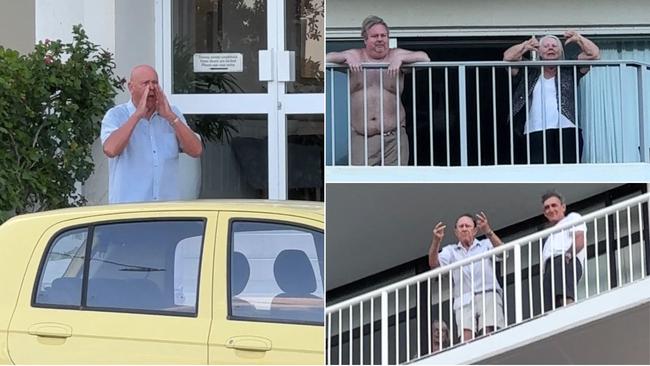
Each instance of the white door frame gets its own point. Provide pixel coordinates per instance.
(275, 104)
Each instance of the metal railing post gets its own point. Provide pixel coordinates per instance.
(462, 113)
(349, 122)
(518, 298)
(384, 328)
(644, 135)
(333, 128)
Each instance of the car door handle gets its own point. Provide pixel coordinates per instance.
(249, 343)
(53, 330)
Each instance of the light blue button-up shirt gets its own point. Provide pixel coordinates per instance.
(483, 274)
(147, 168)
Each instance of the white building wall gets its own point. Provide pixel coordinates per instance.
(502, 15)
(55, 18)
(17, 25)
(134, 37)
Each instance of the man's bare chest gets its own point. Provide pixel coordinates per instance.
(374, 79)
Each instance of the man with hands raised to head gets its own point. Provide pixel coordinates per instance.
(143, 138)
(550, 99)
(466, 228)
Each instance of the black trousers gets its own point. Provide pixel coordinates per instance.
(557, 278)
(553, 147)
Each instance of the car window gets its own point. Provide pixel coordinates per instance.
(133, 266)
(186, 270)
(150, 266)
(276, 272)
(60, 280)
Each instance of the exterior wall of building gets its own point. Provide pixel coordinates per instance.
(453, 15)
(134, 37)
(17, 25)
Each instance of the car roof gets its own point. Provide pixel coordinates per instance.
(307, 209)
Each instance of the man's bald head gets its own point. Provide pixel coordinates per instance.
(143, 77)
(140, 70)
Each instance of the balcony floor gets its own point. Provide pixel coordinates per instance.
(574, 173)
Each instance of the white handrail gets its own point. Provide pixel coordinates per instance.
(500, 249)
(374, 65)
(401, 332)
(473, 148)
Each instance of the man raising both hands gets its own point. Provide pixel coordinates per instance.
(549, 94)
(142, 139)
(467, 226)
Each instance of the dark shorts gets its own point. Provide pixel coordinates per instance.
(559, 288)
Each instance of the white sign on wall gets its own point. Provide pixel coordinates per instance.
(218, 62)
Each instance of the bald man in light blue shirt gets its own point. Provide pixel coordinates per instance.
(142, 139)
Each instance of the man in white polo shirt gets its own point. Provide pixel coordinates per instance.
(467, 226)
(142, 139)
(564, 248)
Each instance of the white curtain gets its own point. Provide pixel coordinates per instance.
(608, 112)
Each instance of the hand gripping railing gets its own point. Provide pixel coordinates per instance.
(475, 119)
(394, 324)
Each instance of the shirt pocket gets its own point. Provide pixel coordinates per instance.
(169, 148)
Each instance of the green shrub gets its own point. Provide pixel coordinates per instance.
(51, 104)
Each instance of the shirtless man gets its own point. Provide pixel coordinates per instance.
(379, 130)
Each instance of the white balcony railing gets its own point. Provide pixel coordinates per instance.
(461, 114)
(393, 324)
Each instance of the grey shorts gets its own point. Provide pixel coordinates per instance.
(477, 320)
(374, 148)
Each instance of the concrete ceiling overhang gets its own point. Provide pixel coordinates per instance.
(375, 227)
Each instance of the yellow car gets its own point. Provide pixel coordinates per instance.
(204, 282)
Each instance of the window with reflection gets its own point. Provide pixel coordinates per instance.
(234, 29)
(276, 272)
(137, 266)
(305, 143)
(304, 28)
(134, 266)
(234, 163)
(60, 280)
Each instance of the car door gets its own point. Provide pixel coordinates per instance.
(268, 293)
(122, 288)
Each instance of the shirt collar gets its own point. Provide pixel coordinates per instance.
(130, 106)
(459, 245)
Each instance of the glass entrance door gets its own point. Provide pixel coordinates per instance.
(242, 71)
